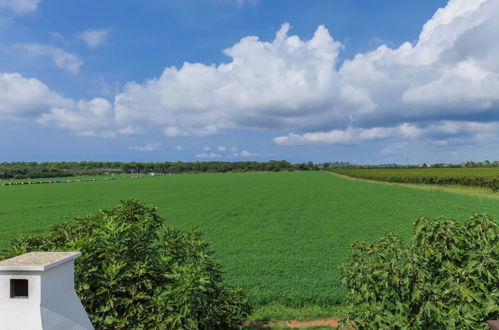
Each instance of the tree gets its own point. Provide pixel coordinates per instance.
(137, 272)
(445, 277)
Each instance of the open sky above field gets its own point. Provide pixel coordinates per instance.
(345, 80)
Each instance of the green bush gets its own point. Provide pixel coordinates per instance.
(138, 273)
(445, 277)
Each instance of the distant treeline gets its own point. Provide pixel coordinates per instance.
(474, 177)
(33, 170)
(469, 164)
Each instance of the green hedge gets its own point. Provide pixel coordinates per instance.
(487, 178)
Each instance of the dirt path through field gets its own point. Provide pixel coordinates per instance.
(332, 322)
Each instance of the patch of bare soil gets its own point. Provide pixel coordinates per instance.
(333, 322)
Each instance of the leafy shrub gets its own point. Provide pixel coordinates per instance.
(494, 184)
(138, 273)
(446, 277)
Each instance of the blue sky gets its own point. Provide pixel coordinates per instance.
(345, 80)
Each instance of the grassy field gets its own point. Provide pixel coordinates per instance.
(280, 236)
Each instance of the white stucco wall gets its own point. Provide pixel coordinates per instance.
(52, 303)
(20, 313)
(60, 306)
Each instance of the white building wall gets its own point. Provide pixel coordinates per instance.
(52, 302)
(60, 305)
(20, 313)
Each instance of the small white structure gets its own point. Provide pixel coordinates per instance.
(37, 292)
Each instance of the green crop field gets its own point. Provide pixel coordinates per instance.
(487, 177)
(280, 236)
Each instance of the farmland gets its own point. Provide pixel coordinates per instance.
(280, 236)
(487, 177)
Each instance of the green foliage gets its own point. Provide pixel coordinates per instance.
(138, 273)
(487, 177)
(445, 278)
(25, 170)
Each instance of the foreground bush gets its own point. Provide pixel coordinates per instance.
(136, 272)
(446, 277)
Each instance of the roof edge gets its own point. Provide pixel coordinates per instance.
(38, 268)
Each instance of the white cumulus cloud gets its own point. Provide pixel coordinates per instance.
(94, 37)
(146, 148)
(208, 155)
(245, 153)
(286, 82)
(24, 98)
(20, 7)
(61, 58)
(350, 135)
(86, 118)
(437, 132)
(450, 72)
(174, 131)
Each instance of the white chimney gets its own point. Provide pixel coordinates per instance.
(37, 292)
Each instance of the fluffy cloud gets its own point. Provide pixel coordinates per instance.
(20, 7)
(350, 135)
(223, 151)
(244, 154)
(174, 131)
(62, 59)
(208, 155)
(87, 118)
(146, 148)
(465, 87)
(451, 72)
(284, 83)
(437, 133)
(94, 38)
(24, 98)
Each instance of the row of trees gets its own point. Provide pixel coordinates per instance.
(23, 170)
(469, 164)
(33, 170)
